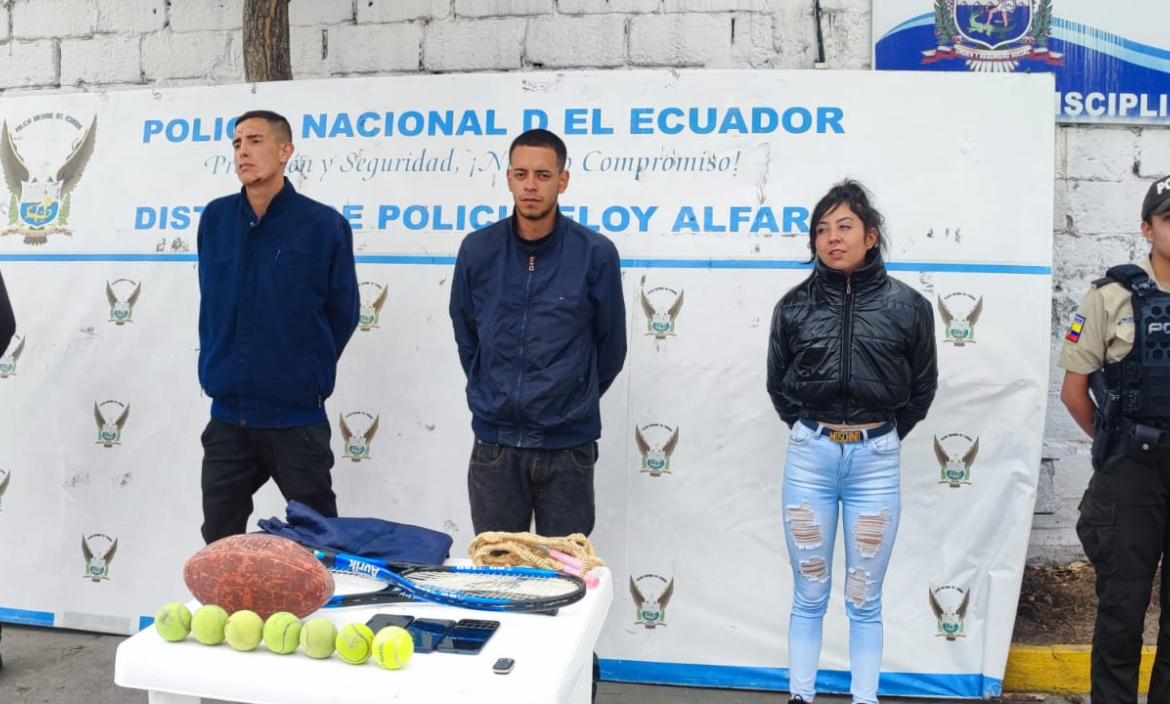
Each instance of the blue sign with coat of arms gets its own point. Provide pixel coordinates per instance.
(1111, 60)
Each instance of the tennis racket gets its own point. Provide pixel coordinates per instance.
(361, 581)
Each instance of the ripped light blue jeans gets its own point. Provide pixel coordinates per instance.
(820, 476)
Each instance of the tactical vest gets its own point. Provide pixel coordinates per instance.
(1141, 381)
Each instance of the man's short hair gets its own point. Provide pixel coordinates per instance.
(279, 124)
(541, 138)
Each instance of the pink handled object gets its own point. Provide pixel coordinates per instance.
(567, 560)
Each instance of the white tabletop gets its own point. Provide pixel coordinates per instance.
(552, 653)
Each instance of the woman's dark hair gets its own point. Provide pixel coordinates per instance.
(853, 194)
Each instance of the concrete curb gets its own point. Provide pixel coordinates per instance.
(1059, 669)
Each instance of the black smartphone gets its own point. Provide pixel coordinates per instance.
(468, 636)
(379, 621)
(427, 632)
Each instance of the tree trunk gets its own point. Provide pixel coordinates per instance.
(266, 51)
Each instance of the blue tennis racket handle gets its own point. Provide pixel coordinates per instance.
(331, 558)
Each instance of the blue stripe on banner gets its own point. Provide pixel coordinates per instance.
(1093, 37)
(893, 684)
(404, 259)
(942, 268)
(411, 259)
(98, 257)
(44, 619)
(145, 622)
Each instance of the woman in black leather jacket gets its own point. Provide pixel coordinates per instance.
(851, 369)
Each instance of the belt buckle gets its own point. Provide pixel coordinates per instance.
(845, 436)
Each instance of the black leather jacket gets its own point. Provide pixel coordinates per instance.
(853, 349)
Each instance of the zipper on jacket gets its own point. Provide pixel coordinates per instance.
(846, 346)
(523, 345)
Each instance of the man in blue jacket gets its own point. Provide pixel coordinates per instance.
(536, 301)
(278, 302)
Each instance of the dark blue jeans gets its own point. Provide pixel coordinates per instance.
(507, 485)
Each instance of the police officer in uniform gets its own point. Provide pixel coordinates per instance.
(1116, 358)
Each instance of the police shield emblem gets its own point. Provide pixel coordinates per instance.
(371, 310)
(122, 311)
(661, 323)
(959, 329)
(40, 204)
(357, 445)
(97, 564)
(651, 611)
(110, 432)
(41, 187)
(949, 605)
(656, 459)
(993, 23)
(955, 469)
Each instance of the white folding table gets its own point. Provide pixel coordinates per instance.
(553, 657)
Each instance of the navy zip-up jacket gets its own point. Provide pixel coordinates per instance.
(278, 302)
(541, 332)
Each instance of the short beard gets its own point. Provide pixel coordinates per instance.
(536, 217)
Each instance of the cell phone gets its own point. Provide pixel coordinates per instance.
(468, 636)
(428, 632)
(379, 621)
(503, 666)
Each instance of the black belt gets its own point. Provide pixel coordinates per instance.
(850, 436)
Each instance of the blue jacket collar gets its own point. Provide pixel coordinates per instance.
(558, 227)
(279, 202)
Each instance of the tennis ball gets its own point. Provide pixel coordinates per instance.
(317, 638)
(208, 623)
(282, 632)
(173, 622)
(244, 630)
(393, 647)
(355, 642)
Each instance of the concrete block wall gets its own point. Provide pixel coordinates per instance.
(69, 45)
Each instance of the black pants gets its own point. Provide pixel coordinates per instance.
(508, 485)
(1124, 529)
(238, 460)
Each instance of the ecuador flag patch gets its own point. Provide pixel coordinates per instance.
(1074, 330)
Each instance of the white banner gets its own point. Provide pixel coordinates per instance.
(704, 180)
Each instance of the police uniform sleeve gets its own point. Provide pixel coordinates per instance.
(7, 319)
(1084, 343)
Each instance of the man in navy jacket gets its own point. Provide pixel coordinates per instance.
(536, 302)
(278, 302)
